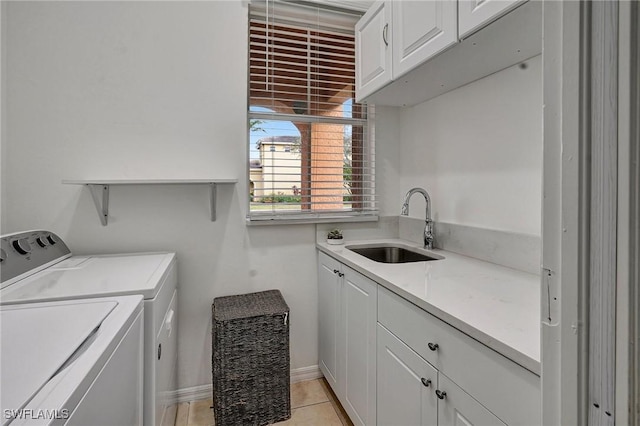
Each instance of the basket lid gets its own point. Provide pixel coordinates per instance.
(248, 305)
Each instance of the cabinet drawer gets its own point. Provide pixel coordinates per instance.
(505, 388)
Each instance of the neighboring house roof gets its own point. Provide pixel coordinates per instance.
(278, 140)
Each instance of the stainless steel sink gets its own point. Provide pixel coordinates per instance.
(390, 253)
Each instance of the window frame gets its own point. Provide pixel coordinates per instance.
(366, 212)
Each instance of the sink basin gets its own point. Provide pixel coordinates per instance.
(390, 253)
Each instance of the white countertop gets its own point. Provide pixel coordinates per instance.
(496, 305)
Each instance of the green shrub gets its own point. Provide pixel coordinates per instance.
(280, 197)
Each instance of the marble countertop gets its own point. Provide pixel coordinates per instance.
(496, 305)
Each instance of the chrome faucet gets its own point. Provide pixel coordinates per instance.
(429, 234)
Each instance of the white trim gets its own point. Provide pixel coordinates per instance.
(305, 14)
(311, 219)
(306, 373)
(196, 393)
(623, 294)
(563, 228)
(627, 373)
(603, 171)
(358, 5)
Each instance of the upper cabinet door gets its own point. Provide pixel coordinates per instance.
(475, 14)
(421, 29)
(373, 50)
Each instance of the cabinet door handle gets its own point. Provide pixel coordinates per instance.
(340, 274)
(385, 30)
(335, 271)
(426, 382)
(440, 394)
(433, 346)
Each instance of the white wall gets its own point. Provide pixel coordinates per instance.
(3, 107)
(154, 89)
(387, 161)
(158, 89)
(478, 151)
(148, 89)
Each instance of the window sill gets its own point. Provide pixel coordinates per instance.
(272, 221)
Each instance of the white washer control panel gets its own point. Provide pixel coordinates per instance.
(25, 251)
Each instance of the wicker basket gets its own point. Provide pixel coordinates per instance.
(250, 360)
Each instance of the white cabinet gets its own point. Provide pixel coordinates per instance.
(458, 408)
(329, 289)
(347, 337)
(408, 52)
(413, 392)
(373, 50)
(421, 29)
(391, 363)
(499, 385)
(474, 14)
(406, 384)
(359, 313)
(394, 37)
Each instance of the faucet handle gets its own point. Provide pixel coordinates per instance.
(429, 235)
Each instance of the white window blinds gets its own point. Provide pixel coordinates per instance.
(311, 150)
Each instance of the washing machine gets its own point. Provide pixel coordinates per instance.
(75, 362)
(37, 266)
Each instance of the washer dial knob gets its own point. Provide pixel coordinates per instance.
(52, 240)
(3, 255)
(22, 246)
(42, 241)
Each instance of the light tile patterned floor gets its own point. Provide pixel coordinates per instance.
(312, 404)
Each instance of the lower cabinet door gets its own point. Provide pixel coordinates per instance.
(456, 407)
(359, 316)
(406, 384)
(329, 322)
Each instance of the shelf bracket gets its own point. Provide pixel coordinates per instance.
(212, 200)
(100, 194)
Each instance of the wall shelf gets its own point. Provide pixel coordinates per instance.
(100, 190)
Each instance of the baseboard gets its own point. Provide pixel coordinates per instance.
(305, 373)
(196, 393)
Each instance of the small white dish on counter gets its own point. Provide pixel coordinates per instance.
(335, 241)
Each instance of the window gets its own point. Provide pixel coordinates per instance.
(319, 164)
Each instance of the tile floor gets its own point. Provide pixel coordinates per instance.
(312, 404)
